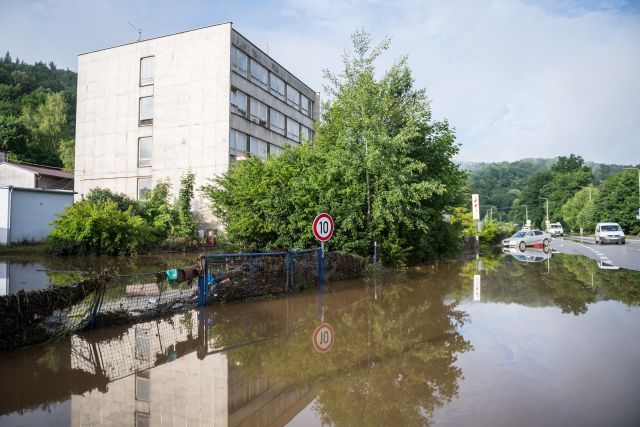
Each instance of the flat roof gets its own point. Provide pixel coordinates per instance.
(154, 38)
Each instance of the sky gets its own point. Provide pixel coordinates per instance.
(516, 78)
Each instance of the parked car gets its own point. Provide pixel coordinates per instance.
(524, 238)
(609, 232)
(530, 255)
(555, 229)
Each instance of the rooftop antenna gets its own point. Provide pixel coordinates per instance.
(137, 30)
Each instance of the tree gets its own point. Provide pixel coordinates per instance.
(186, 226)
(378, 164)
(618, 201)
(578, 211)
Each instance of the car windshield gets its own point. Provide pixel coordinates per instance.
(610, 228)
(519, 234)
(555, 226)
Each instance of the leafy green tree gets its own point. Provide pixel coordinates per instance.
(378, 164)
(618, 201)
(67, 153)
(578, 212)
(186, 226)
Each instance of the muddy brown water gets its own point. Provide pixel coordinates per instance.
(555, 342)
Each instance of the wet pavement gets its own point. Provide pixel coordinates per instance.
(497, 340)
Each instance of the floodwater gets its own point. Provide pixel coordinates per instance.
(492, 341)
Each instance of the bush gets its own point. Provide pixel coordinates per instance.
(90, 228)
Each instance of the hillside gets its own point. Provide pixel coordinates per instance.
(37, 112)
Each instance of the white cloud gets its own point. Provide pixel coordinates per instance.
(515, 78)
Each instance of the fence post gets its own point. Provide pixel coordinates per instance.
(97, 302)
(202, 284)
(286, 271)
(320, 257)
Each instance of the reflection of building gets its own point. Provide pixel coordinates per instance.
(156, 378)
(15, 276)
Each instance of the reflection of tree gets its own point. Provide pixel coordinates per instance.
(572, 283)
(393, 359)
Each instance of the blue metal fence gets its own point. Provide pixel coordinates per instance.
(237, 276)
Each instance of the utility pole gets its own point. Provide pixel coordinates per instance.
(546, 211)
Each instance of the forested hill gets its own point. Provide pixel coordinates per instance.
(37, 112)
(500, 183)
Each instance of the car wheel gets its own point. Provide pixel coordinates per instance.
(596, 240)
(623, 242)
(522, 246)
(545, 243)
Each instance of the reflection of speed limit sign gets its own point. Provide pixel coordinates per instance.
(323, 338)
(323, 227)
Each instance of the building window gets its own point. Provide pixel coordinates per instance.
(144, 190)
(305, 133)
(237, 143)
(145, 147)
(238, 102)
(293, 130)
(146, 71)
(293, 97)
(274, 150)
(277, 122)
(146, 111)
(142, 386)
(277, 87)
(239, 62)
(258, 112)
(259, 75)
(305, 106)
(258, 147)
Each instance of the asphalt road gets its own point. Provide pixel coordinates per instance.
(623, 256)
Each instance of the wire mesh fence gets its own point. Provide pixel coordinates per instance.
(38, 316)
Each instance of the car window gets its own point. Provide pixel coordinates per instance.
(529, 234)
(538, 233)
(519, 234)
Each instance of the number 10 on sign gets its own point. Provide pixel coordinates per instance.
(323, 227)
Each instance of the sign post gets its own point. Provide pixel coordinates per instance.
(475, 209)
(323, 230)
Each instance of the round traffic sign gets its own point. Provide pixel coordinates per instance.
(323, 227)
(323, 338)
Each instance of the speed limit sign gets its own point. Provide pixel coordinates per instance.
(323, 227)
(323, 338)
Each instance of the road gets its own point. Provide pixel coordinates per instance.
(624, 256)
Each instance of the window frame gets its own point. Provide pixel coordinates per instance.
(292, 102)
(275, 113)
(255, 79)
(140, 158)
(147, 81)
(145, 121)
(288, 134)
(282, 96)
(235, 92)
(252, 114)
(235, 53)
(150, 188)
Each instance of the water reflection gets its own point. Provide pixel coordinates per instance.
(395, 360)
(34, 273)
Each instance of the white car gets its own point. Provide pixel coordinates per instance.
(524, 238)
(609, 232)
(555, 229)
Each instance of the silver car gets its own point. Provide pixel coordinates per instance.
(524, 238)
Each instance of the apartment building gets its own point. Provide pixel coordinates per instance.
(195, 101)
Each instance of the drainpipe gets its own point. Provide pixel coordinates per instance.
(9, 217)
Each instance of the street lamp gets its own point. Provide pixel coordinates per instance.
(638, 190)
(546, 209)
(526, 213)
(589, 192)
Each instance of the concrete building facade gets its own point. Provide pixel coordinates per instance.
(194, 101)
